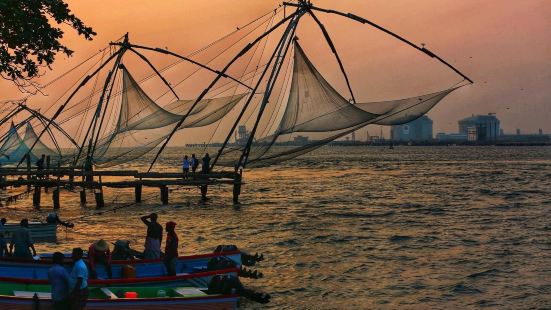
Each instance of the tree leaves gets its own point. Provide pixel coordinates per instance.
(29, 38)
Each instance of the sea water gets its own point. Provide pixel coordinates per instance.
(358, 227)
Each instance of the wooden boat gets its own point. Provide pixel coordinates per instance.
(198, 279)
(40, 232)
(191, 270)
(24, 296)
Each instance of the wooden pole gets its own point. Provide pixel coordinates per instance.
(83, 196)
(55, 198)
(28, 159)
(138, 193)
(164, 195)
(237, 187)
(100, 203)
(36, 197)
(204, 189)
(47, 174)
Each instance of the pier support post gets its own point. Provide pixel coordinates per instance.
(237, 187)
(204, 189)
(138, 193)
(164, 195)
(28, 159)
(36, 197)
(47, 172)
(55, 198)
(99, 199)
(83, 196)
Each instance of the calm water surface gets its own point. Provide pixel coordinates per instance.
(358, 227)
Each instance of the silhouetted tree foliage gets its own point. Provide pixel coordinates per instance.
(29, 38)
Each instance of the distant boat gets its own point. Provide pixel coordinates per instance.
(40, 232)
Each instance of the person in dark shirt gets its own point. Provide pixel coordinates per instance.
(59, 281)
(22, 241)
(3, 246)
(154, 237)
(206, 164)
(171, 248)
(194, 163)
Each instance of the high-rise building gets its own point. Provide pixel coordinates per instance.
(480, 127)
(241, 135)
(417, 130)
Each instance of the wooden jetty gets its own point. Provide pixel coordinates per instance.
(58, 178)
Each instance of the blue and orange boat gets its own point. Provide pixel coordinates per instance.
(193, 270)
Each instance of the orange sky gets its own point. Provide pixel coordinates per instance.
(503, 45)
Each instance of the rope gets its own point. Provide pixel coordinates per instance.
(268, 25)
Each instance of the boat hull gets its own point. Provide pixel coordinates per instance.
(40, 232)
(27, 269)
(199, 279)
(222, 302)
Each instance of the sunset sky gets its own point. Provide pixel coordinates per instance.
(503, 45)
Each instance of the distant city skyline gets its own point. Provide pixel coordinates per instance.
(502, 45)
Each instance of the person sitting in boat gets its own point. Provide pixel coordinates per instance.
(53, 218)
(185, 166)
(99, 253)
(59, 281)
(78, 281)
(22, 241)
(171, 248)
(154, 237)
(122, 251)
(3, 246)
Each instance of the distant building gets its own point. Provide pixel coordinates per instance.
(242, 135)
(451, 137)
(480, 127)
(417, 130)
(300, 140)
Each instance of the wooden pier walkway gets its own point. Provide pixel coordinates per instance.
(93, 180)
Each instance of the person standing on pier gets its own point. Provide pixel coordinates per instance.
(154, 237)
(194, 164)
(206, 164)
(59, 281)
(22, 241)
(171, 249)
(99, 253)
(185, 167)
(78, 281)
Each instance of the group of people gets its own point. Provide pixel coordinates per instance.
(99, 252)
(154, 239)
(193, 163)
(70, 289)
(21, 243)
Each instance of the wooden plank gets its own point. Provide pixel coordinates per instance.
(29, 294)
(189, 291)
